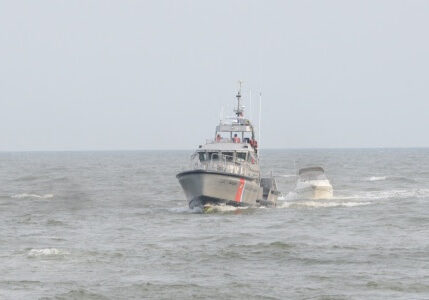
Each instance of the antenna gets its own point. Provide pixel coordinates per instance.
(250, 104)
(259, 126)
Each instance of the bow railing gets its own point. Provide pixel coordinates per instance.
(223, 163)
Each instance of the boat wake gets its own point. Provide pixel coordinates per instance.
(318, 203)
(186, 210)
(292, 199)
(222, 208)
(387, 194)
(208, 209)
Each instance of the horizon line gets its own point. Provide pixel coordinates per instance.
(193, 149)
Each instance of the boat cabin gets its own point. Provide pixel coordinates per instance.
(237, 131)
(236, 156)
(312, 173)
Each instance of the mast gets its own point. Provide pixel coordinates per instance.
(259, 119)
(250, 104)
(239, 109)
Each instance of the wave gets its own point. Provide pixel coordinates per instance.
(289, 196)
(402, 179)
(27, 178)
(387, 194)
(287, 175)
(25, 195)
(292, 199)
(222, 208)
(185, 209)
(46, 252)
(317, 204)
(81, 294)
(376, 178)
(53, 222)
(341, 195)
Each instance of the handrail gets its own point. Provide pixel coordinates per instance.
(225, 140)
(223, 163)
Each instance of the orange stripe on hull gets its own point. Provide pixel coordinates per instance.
(239, 193)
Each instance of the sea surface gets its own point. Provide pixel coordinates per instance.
(115, 225)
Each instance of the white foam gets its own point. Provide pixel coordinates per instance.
(345, 198)
(222, 208)
(289, 196)
(376, 178)
(400, 193)
(385, 195)
(317, 204)
(299, 196)
(184, 209)
(25, 195)
(46, 252)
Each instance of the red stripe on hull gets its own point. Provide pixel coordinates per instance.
(239, 193)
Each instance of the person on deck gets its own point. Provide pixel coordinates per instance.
(236, 139)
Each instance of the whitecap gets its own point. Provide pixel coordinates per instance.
(376, 178)
(25, 195)
(317, 204)
(46, 252)
(385, 195)
(399, 194)
(185, 209)
(222, 208)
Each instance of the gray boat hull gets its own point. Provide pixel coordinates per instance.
(203, 187)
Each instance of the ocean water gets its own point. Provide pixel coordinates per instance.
(115, 225)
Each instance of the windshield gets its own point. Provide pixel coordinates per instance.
(226, 156)
(312, 174)
(241, 156)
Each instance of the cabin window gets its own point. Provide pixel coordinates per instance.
(229, 156)
(222, 136)
(202, 156)
(241, 155)
(213, 155)
(247, 137)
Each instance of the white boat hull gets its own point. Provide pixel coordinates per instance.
(315, 192)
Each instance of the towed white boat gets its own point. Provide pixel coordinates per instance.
(312, 183)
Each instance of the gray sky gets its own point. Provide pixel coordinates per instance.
(98, 75)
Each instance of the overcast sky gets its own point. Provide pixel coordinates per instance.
(106, 75)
